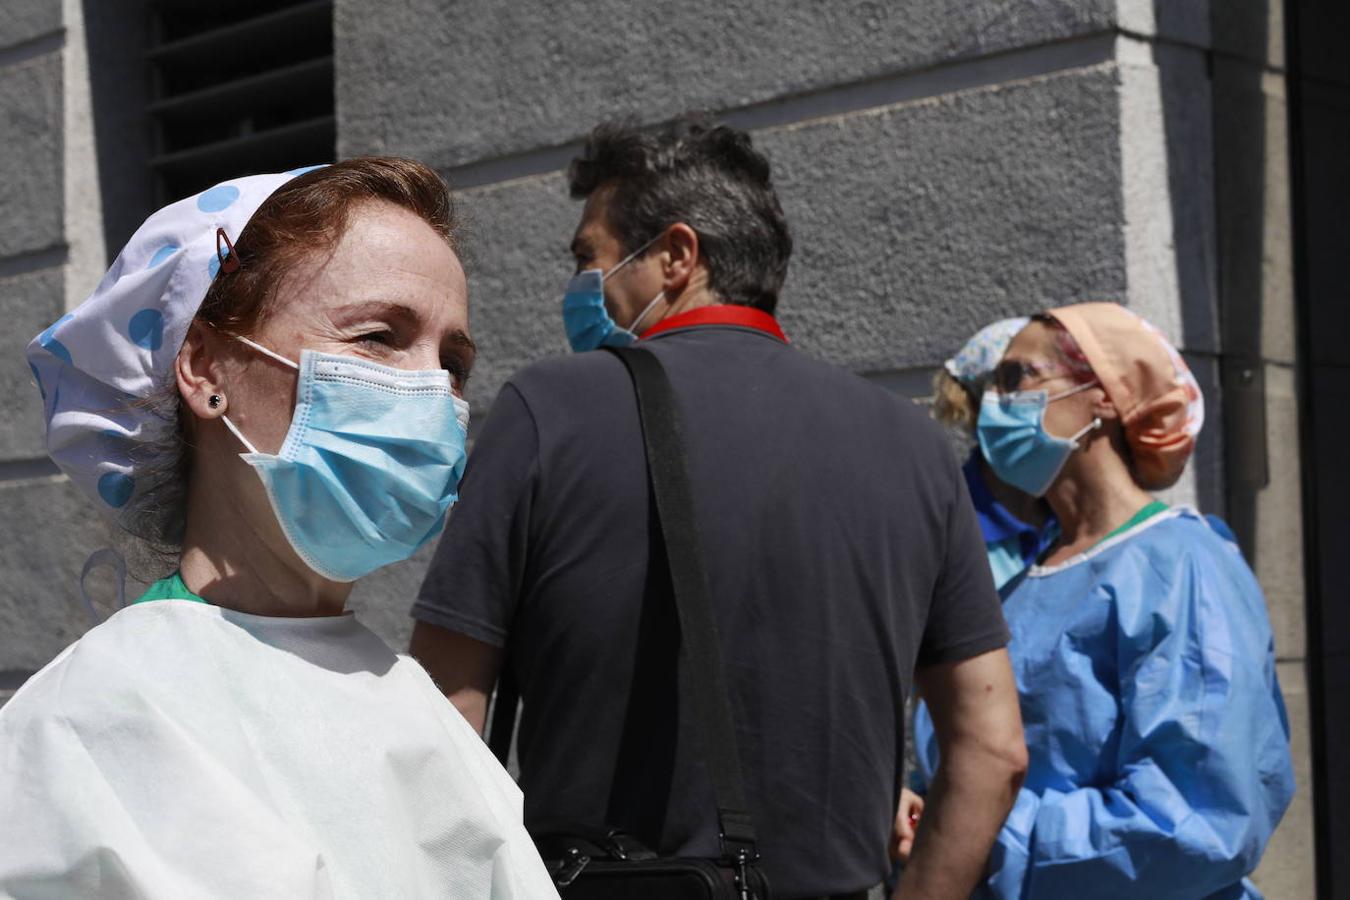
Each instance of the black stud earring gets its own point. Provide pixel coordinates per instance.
(213, 401)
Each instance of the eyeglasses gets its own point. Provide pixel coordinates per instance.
(1010, 374)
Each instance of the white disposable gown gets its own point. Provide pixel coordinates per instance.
(180, 750)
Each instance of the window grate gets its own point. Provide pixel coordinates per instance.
(239, 88)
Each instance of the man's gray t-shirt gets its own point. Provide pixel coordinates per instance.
(841, 550)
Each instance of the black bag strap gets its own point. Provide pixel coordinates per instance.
(504, 713)
(703, 674)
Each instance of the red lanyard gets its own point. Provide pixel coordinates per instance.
(721, 314)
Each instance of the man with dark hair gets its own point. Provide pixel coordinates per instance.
(840, 544)
(709, 178)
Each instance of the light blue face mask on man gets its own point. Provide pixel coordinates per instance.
(370, 465)
(588, 323)
(1013, 438)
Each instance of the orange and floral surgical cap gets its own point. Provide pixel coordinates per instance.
(1150, 385)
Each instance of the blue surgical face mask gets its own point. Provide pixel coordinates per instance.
(587, 321)
(1013, 438)
(370, 465)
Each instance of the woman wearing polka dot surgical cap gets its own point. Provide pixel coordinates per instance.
(268, 382)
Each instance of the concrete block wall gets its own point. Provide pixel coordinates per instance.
(46, 529)
(941, 164)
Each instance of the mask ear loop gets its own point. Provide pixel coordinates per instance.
(632, 329)
(629, 258)
(239, 434)
(1078, 389)
(1096, 420)
(1091, 426)
(101, 557)
(265, 352)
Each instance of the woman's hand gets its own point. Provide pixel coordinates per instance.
(906, 824)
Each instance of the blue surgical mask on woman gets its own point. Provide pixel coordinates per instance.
(1013, 439)
(588, 323)
(370, 465)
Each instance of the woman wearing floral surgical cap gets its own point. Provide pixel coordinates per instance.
(268, 381)
(1158, 743)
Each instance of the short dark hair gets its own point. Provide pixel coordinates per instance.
(705, 175)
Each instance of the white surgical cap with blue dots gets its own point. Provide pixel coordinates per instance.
(95, 366)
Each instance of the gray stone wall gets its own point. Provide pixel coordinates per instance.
(72, 176)
(941, 164)
(45, 529)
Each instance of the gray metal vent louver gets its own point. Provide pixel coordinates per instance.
(239, 88)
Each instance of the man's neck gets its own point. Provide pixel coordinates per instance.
(694, 296)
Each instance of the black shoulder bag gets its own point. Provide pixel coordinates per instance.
(600, 864)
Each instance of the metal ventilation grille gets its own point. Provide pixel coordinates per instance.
(239, 88)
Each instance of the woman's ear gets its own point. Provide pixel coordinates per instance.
(198, 372)
(682, 258)
(1102, 407)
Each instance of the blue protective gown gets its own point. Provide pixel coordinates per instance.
(1158, 741)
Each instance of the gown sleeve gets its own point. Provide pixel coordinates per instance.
(1202, 771)
(517, 870)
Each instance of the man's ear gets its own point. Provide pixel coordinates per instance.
(198, 371)
(682, 260)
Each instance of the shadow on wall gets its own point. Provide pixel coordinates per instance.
(1237, 135)
(1240, 134)
(116, 40)
(1251, 264)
